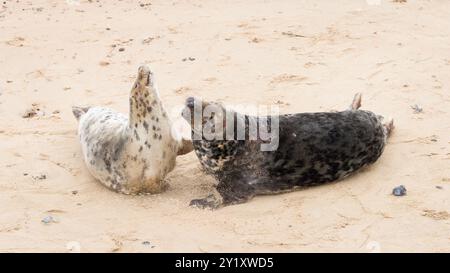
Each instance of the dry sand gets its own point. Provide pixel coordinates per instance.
(303, 55)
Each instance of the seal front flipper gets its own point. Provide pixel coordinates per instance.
(356, 103)
(231, 193)
(210, 202)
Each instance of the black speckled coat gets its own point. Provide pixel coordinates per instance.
(313, 148)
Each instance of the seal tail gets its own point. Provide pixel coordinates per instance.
(79, 111)
(356, 103)
(388, 127)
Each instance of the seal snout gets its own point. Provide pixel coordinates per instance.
(145, 75)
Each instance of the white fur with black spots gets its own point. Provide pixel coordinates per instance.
(131, 155)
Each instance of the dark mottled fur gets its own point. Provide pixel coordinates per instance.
(314, 148)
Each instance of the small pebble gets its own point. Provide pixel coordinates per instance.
(49, 219)
(121, 49)
(439, 187)
(399, 191)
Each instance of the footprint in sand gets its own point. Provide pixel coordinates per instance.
(283, 78)
(16, 41)
(422, 140)
(436, 215)
(256, 40)
(148, 40)
(210, 79)
(279, 102)
(39, 73)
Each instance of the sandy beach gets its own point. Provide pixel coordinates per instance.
(301, 55)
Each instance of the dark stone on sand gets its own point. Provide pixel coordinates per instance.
(399, 191)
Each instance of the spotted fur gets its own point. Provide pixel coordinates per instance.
(314, 148)
(122, 152)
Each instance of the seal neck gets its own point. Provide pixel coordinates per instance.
(145, 105)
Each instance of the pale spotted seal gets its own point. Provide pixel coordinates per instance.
(131, 154)
(313, 148)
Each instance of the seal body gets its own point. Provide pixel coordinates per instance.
(313, 148)
(130, 154)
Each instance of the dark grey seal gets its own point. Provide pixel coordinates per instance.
(313, 148)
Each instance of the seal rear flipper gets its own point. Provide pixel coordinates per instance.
(79, 111)
(356, 103)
